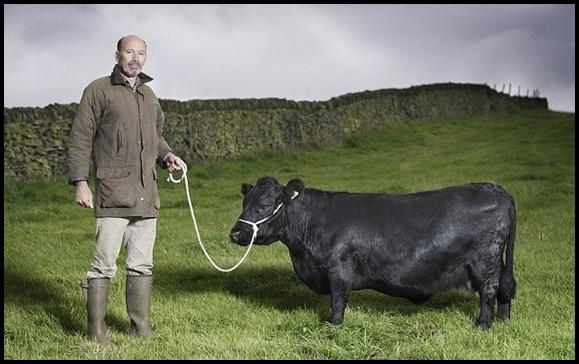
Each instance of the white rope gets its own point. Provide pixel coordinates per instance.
(253, 224)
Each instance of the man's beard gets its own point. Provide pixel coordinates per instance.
(131, 72)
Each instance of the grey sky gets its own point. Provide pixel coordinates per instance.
(297, 52)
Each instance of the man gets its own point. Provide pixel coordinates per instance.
(119, 127)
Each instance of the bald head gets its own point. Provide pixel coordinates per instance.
(127, 38)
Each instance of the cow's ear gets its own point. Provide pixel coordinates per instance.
(245, 188)
(294, 189)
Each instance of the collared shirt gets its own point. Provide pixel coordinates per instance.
(128, 82)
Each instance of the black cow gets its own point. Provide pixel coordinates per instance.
(404, 245)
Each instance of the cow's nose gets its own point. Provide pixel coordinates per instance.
(234, 235)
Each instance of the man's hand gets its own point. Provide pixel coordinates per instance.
(173, 162)
(83, 194)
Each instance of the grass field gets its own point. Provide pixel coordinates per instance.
(261, 310)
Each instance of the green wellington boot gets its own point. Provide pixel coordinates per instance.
(139, 291)
(97, 297)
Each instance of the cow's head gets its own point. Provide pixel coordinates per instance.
(263, 207)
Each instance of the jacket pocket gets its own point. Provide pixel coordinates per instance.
(119, 143)
(116, 189)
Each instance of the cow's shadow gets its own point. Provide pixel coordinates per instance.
(280, 288)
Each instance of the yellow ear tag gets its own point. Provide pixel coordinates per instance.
(296, 193)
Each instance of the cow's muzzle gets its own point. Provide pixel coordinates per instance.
(234, 235)
(240, 237)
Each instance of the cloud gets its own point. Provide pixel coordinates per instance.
(299, 52)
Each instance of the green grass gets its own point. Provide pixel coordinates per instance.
(261, 310)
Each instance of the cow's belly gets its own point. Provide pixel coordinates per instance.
(408, 274)
(414, 281)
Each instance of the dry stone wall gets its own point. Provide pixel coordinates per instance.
(35, 139)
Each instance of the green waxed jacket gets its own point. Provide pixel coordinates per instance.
(121, 133)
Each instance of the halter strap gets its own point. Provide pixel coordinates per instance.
(254, 224)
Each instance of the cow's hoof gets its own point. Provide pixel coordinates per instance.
(484, 325)
(337, 321)
(503, 313)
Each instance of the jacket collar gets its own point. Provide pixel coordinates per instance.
(117, 77)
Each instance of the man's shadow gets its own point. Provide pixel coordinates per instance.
(29, 292)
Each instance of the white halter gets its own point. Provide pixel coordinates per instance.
(254, 224)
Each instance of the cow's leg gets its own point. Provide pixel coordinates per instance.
(489, 287)
(487, 294)
(340, 287)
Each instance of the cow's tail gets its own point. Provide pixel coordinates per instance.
(507, 284)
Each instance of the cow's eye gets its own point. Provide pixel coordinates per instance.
(263, 208)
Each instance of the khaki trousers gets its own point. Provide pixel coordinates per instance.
(137, 234)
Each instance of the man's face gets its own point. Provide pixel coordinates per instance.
(131, 58)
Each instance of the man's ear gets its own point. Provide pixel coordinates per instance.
(294, 189)
(245, 188)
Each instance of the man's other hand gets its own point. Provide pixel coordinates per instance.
(83, 194)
